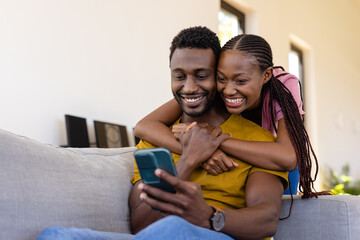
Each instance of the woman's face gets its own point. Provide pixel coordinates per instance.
(240, 80)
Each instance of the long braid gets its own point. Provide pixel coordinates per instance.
(260, 49)
(298, 135)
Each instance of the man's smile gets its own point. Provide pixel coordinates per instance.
(192, 100)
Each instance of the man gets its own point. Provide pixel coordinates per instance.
(242, 203)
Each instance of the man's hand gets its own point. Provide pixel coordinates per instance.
(200, 142)
(218, 163)
(187, 203)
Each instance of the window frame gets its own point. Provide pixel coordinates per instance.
(241, 16)
(300, 53)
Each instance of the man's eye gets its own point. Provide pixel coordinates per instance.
(180, 77)
(201, 77)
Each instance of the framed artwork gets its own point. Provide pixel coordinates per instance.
(76, 131)
(109, 135)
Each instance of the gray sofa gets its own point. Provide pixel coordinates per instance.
(43, 185)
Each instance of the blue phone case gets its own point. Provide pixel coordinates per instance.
(150, 159)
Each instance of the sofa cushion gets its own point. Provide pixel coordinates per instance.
(43, 185)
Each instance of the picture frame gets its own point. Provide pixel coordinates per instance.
(76, 132)
(110, 135)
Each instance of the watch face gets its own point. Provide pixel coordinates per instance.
(218, 221)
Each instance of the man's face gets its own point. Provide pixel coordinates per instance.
(193, 79)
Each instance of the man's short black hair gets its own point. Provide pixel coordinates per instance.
(196, 37)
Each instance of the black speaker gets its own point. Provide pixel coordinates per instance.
(77, 132)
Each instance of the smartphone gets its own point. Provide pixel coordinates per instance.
(150, 159)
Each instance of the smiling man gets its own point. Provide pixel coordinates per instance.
(193, 80)
(203, 202)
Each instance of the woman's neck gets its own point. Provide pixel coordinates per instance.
(254, 115)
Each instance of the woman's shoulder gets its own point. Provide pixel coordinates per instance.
(285, 77)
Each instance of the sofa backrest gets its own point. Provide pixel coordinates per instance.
(43, 185)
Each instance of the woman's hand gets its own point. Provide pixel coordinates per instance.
(218, 163)
(179, 128)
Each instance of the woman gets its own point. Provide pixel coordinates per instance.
(243, 63)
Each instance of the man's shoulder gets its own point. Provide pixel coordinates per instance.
(283, 176)
(144, 144)
(244, 129)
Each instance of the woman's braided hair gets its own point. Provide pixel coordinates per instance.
(257, 46)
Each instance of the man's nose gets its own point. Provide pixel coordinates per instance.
(190, 85)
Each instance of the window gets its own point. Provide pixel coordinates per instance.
(296, 67)
(231, 22)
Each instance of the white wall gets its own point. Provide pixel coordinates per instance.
(103, 60)
(108, 60)
(329, 34)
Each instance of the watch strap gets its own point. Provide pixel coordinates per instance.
(216, 211)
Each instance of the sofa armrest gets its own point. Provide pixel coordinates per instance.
(326, 217)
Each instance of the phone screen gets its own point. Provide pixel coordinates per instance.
(150, 159)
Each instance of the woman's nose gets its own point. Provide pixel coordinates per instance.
(229, 89)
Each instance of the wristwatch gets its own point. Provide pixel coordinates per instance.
(217, 220)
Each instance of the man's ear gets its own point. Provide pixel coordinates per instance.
(267, 74)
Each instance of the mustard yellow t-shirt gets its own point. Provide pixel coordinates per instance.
(227, 190)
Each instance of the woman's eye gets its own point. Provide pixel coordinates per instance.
(240, 81)
(220, 79)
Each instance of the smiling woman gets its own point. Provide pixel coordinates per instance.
(240, 81)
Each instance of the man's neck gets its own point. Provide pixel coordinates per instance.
(215, 116)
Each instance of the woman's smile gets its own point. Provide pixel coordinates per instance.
(234, 102)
